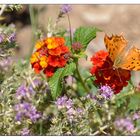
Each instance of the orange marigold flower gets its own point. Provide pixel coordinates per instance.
(50, 54)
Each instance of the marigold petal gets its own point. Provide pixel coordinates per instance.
(39, 44)
(37, 67)
(34, 58)
(49, 71)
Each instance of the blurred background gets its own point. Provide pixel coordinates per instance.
(110, 18)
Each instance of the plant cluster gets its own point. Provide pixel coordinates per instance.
(50, 93)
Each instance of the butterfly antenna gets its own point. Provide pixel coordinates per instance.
(119, 76)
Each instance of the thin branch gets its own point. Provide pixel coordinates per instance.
(101, 130)
(2, 9)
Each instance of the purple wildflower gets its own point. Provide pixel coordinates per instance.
(65, 8)
(37, 82)
(124, 125)
(18, 116)
(31, 89)
(79, 110)
(12, 37)
(26, 110)
(106, 92)
(22, 90)
(71, 111)
(136, 116)
(25, 132)
(64, 102)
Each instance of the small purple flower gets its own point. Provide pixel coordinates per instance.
(136, 116)
(31, 89)
(18, 116)
(79, 110)
(106, 92)
(25, 132)
(64, 102)
(65, 8)
(1, 38)
(21, 91)
(12, 37)
(124, 125)
(69, 103)
(71, 111)
(26, 110)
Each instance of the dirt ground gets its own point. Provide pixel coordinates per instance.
(110, 18)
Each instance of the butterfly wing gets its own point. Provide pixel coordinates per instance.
(132, 60)
(115, 45)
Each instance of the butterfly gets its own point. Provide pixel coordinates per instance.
(121, 55)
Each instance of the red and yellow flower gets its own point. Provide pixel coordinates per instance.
(49, 55)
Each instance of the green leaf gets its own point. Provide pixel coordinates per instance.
(55, 82)
(84, 35)
(134, 103)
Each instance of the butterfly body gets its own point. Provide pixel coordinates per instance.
(121, 55)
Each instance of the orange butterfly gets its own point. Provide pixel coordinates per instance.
(120, 54)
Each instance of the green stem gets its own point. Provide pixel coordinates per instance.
(81, 79)
(87, 78)
(41, 128)
(70, 28)
(33, 24)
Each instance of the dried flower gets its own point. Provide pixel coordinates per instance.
(77, 46)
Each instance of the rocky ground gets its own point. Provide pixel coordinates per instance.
(110, 18)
